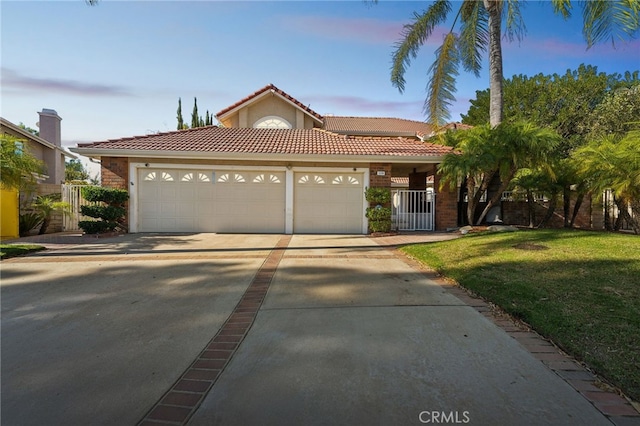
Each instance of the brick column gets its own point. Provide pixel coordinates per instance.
(446, 205)
(115, 174)
(379, 181)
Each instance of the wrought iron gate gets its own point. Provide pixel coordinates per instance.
(413, 210)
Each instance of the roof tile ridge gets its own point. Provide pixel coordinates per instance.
(378, 118)
(338, 135)
(273, 88)
(152, 135)
(297, 102)
(223, 111)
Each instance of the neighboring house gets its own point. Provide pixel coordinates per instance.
(275, 166)
(47, 147)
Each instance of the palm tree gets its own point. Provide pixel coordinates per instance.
(613, 163)
(484, 153)
(46, 205)
(480, 28)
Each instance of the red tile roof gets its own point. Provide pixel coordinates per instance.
(273, 88)
(376, 126)
(214, 139)
(405, 180)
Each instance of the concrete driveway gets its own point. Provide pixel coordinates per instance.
(258, 329)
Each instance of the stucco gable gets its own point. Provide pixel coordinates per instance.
(266, 102)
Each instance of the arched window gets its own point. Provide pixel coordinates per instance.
(272, 122)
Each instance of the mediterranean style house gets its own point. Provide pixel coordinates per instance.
(274, 165)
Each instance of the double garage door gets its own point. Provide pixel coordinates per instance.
(247, 201)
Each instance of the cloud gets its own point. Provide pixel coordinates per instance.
(359, 105)
(14, 80)
(363, 30)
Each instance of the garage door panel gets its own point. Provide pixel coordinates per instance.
(328, 202)
(186, 194)
(210, 200)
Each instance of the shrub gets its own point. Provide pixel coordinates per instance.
(380, 226)
(46, 205)
(97, 226)
(110, 209)
(111, 196)
(380, 215)
(109, 213)
(27, 222)
(377, 195)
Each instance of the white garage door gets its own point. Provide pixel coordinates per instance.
(328, 203)
(172, 200)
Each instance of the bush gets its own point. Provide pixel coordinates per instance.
(380, 226)
(27, 222)
(109, 213)
(111, 196)
(378, 195)
(379, 214)
(97, 226)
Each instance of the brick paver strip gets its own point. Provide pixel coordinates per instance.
(184, 397)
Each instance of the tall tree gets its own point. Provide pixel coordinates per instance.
(179, 112)
(567, 103)
(618, 113)
(195, 119)
(563, 102)
(480, 28)
(28, 129)
(74, 171)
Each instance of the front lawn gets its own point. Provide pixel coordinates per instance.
(579, 288)
(13, 250)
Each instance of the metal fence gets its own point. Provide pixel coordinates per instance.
(413, 210)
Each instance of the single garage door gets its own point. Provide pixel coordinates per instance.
(173, 200)
(328, 203)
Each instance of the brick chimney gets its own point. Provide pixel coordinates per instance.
(50, 126)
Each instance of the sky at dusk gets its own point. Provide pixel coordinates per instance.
(117, 69)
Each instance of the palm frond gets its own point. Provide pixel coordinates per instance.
(474, 35)
(604, 19)
(442, 84)
(414, 35)
(514, 24)
(562, 7)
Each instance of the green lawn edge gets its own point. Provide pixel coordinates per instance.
(581, 289)
(14, 250)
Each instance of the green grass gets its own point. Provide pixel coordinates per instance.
(581, 289)
(13, 250)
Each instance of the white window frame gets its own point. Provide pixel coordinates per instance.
(274, 118)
